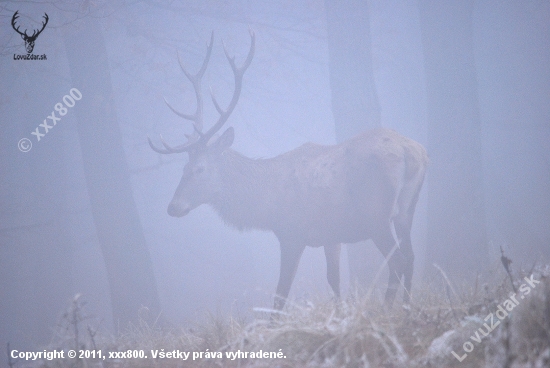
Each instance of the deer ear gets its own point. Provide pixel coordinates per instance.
(224, 141)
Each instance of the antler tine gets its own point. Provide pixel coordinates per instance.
(248, 60)
(216, 105)
(166, 150)
(195, 80)
(200, 73)
(43, 26)
(158, 150)
(13, 20)
(238, 74)
(180, 114)
(169, 149)
(167, 146)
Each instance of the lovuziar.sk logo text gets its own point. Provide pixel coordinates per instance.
(29, 39)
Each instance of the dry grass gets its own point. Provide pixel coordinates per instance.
(355, 333)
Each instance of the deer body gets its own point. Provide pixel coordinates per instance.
(314, 195)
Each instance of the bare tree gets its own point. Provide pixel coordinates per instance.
(355, 105)
(35, 244)
(127, 260)
(456, 218)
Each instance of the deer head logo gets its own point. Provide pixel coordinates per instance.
(29, 40)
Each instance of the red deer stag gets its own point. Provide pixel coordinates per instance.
(312, 196)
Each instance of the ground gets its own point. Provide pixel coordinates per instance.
(446, 325)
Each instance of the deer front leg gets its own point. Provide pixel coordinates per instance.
(332, 254)
(290, 257)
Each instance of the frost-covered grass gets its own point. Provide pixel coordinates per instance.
(355, 332)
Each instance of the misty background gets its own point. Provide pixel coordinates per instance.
(84, 211)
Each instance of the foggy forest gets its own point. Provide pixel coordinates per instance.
(310, 183)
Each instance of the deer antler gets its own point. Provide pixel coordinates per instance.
(200, 139)
(24, 34)
(36, 33)
(238, 73)
(13, 19)
(196, 82)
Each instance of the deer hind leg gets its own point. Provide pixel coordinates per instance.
(403, 225)
(389, 247)
(332, 254)
(403, 231)
(290, 258)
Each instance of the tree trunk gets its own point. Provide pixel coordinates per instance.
(354, 100)
(355, 103)
(456, 220)
(127, 259)
(35, 248)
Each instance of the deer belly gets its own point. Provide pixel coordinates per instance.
(348, 230)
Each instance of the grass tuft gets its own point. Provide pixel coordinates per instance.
(356, 332)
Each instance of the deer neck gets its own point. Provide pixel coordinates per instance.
(244, 202)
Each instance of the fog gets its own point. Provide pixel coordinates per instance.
(78, 204)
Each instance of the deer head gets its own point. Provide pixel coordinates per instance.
(200, 181)
(29, 40)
